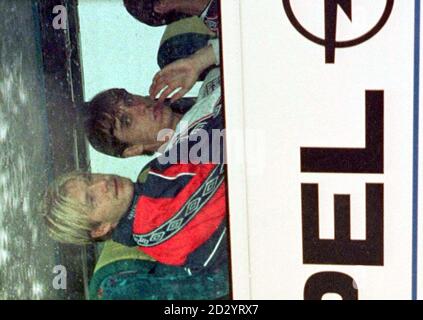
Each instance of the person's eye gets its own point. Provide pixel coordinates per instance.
(125, 121)
(129, 100)
(88, 178)
(91, 201)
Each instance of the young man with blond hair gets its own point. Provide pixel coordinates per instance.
(175, 220)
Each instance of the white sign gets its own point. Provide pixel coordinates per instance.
(331, 208)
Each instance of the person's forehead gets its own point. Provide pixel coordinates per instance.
(75, 188)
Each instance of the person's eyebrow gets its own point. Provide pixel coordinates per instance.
(107, 124)
(85, 178)
(116, 123)
(87, 200)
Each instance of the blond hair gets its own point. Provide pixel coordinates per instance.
(67, 220)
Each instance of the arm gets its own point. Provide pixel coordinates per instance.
(182, 74)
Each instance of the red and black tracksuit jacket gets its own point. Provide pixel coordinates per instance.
(178, 214)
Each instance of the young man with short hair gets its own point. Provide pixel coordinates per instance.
(124, 125)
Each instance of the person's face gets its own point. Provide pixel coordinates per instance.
(108, 196)
(139, 120)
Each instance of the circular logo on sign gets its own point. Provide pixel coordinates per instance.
(330, 41)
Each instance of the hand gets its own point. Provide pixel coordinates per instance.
(180, 74)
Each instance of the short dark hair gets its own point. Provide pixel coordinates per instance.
(143, 10)
(100, 116)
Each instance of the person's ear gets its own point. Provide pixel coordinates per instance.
(103, 229)
(135, 150)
